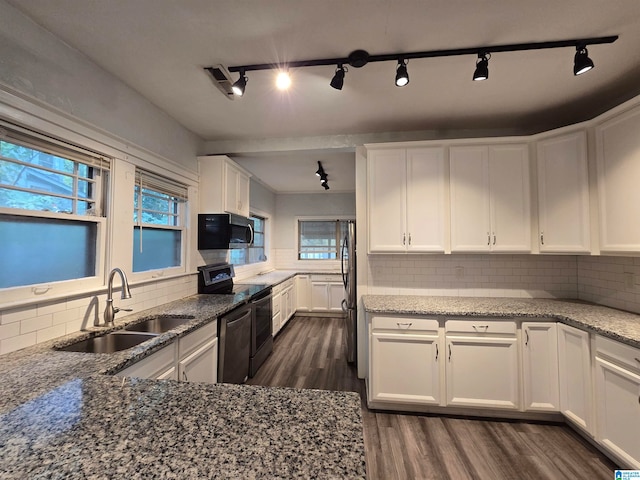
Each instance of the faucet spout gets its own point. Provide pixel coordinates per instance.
(110, 311)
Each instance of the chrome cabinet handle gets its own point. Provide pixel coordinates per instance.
(409, 238)
(526, 332)
(404, 239)
(542, 238)
(449, 352)
(405, 325)
(437, 352)
(494, 238)
(184, 376)
(488, 239)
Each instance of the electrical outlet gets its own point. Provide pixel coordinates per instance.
(459, 272)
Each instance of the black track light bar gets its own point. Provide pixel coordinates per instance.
(359, 58)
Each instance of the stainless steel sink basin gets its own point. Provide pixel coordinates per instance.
(160, 324)
(109, 343)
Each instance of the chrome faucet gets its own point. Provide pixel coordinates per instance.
(110, 311)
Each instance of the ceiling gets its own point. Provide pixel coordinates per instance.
(159, 48)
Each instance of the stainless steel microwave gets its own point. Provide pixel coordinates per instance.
(222, 231)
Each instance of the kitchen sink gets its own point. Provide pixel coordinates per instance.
(109, 343)
(160, 324)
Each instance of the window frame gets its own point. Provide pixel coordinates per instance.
(39, 141)
(158, 178)
(330, 263)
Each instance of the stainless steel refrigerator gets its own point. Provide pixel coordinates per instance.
(348, 254)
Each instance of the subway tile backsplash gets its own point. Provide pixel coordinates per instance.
(25, 326)
(530, 276)
(610, 281)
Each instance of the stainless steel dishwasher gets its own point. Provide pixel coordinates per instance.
(234, 345)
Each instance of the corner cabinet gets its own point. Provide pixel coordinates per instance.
(563, 194)
(224, 186)
(406, 200)
(490, 198)
(405, 358)
(327, 293)
(618, 167)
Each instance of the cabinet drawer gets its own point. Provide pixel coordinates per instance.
(625, 355)
(481, 326)
(411, 324)
(326, 278)
(196, 338)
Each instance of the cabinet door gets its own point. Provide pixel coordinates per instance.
(201, 365)
(574, 369)
(336, 295)
(510, 198)
(618, 410)
(563, 194)
(540, 366)
(242, 194)
(319, 296)
(230, 189)
(470, 214)
(386, 200)
(482, 372)
(618, 161)
(303, 294)
(276, 322)
(160, 365)
(404, 368)
(425, 200)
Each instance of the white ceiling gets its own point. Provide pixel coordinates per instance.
(159, 48)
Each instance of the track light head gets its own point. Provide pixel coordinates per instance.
(338, 78)
(283, 80)
(239, 87)
(325, 185)
(323, 178)
(581, 62)
(402, 76)
(482, 67)
(320, 170)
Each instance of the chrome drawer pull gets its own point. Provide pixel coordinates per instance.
(405, 325)
(483, 327)
(526, 332)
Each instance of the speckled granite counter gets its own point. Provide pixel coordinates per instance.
(275, 277)
(61, 416)
(616, 324)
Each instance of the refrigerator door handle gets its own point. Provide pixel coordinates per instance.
(343, 247)
(344, 305)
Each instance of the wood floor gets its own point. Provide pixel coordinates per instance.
(309, 353)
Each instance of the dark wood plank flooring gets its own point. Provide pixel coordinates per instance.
(309, 353)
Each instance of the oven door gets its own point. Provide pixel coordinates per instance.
(261, 326)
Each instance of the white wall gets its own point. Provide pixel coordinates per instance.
(45, 82)
(38, 65)
(317, 205)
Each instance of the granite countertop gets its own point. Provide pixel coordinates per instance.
(62, 415)
(274, 277)
(615, 324)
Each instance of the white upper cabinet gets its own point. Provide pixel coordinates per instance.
(618, 164)
(563, 194)
(224, 186)
(490, 199)
(406, 193)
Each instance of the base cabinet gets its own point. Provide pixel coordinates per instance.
(618, 400)
(405, 356)
(574, 370)
(540, 366)
(327, 293)
(482, 372)
(200, 365)
(303, 293)
(160, 365)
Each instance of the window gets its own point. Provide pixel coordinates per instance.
(256, 251)
(50, 209)
(320, 239)
(158, 226)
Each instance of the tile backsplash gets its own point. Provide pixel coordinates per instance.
(21, 327)
(532, 276)
(610, 281)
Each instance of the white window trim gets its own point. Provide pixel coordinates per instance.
(246, 271)
(316, 264)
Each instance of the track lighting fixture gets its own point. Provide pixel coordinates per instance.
(581, 62)
(402, 76)
(359, 58)
(240, 85)
(482, 67)
(338, 78)
(323, 176)
(283, 80)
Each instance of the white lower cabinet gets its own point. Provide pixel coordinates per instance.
(405, 359)
(540, 366)
(303, 293)
(327, 293)
(574, 370)
(159, 365)
(482, 372)
(618, 399)
(192, 358)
